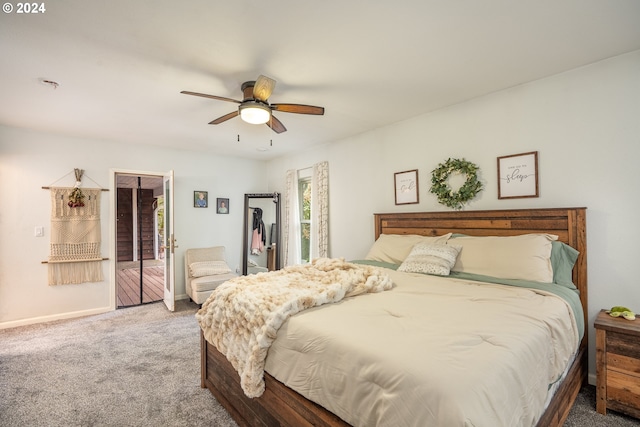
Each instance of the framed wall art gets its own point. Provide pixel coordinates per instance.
(406, 187)
(222, 206)
(518, 176)
(200, 199)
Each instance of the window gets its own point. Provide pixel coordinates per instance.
(304, 199)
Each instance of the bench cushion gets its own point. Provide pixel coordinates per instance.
(208, 283)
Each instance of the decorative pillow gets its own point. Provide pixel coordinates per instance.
(525, 257)
(431, 258)
(563, 258)
(394, 248)
(208, 268)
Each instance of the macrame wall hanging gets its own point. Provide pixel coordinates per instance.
(74, 255)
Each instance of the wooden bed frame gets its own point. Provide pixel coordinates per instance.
(281, 406)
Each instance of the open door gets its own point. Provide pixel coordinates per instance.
(169, 244)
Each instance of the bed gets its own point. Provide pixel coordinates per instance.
(280, 405)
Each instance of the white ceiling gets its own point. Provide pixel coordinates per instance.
(121, 64)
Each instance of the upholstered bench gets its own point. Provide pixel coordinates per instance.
(204, 270)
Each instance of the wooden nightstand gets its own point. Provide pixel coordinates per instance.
(617, 364)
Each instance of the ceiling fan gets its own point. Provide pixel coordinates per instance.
(255, 108)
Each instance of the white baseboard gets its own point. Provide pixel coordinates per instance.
(51, 318)
(62, 316)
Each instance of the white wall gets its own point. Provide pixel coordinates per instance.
(584, 124)
(30, 160)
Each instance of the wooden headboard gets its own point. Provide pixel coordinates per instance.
(569, 224)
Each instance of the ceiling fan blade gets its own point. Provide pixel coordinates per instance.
(224, 118)
(263, 88)
(204, 95)
(298, 108)
(276, 125)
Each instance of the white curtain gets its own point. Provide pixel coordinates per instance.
(320, 210)
(291, 229)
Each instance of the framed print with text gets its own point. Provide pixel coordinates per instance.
(518, 176)
(406, 187)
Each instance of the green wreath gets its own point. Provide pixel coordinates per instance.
(440, 185)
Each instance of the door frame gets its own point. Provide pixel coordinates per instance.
(112, 226)
(169, 242)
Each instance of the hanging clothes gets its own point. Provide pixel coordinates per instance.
(259, 236)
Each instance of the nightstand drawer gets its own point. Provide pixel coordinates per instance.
(624, 389)
(623, 344)
(624, 364)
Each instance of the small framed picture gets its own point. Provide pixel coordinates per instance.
(200, 199)
(518, 176)
(222, 206)
(406, 187)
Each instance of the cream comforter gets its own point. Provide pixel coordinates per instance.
(242, 316)
(430, 352)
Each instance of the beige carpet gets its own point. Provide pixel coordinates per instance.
(136, 366)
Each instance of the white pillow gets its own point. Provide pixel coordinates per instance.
(431, 258)
(208, 268)
(395, 248)
(525, 257)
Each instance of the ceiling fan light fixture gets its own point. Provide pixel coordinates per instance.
(254, 107)
(255, 113)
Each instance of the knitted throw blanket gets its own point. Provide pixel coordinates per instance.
(242, 316)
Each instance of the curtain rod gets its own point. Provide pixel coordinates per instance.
(74, 260)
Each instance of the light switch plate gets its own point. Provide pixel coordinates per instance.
(39, 231)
